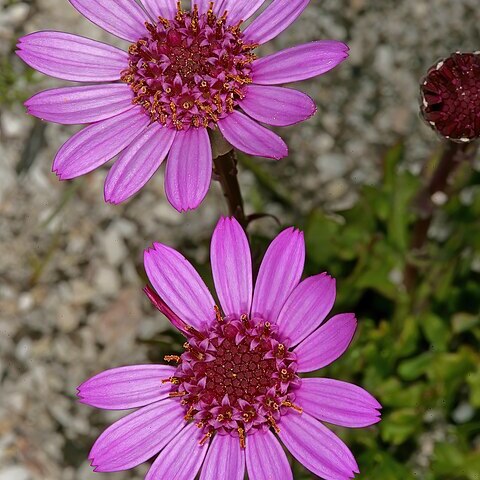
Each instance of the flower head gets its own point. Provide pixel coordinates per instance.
(237, 389)
(451, 97)
(185, 72)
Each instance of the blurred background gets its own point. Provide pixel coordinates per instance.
(71, 268)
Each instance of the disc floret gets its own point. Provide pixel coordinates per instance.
(190, 71)
(236, 377)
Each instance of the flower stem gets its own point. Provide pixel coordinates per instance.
(454, 154)
(225, 169)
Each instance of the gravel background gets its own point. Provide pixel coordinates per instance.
(70, 265)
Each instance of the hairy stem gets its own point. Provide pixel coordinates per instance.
(454, 154)
(225, 169)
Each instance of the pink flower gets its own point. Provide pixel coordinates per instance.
(185, 72)
(237, 388)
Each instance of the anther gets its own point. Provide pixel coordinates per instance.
(172, 358)
(205, 438)
(189, 415)
(177, 394)
(179, 10)
(195, 353)
(172, 380)
(241, 436)
(164, 22)
(273, 424)
(245, 320)
(218, 314)
(292, 405)
(195, 332)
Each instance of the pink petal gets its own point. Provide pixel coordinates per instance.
(126, 387)
(307, 307)
(123, 18)
(137, 437)
(203, 5)
(189, 169)
(232, 267)
(225, 459)
(138, 163)
(327, 343)
(337, 402)
(71, 57)
(299, 63)
(162, 307)
(160, 8)
(279, 274)
(278, 16)
(75, 105)
(266, 459)
(237, 9)
(98, 143)
(182, 457)
(316, 447)
(179, 285)
(250, 137)
(277, 105)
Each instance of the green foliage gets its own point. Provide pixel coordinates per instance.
(15, 86)
(416, 351)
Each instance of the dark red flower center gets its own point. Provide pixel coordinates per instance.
(235, 377)
(191, 70)
(451, 97)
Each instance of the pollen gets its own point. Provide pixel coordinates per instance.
(201, 57)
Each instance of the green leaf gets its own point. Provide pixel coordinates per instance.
(436, 331)
(463, 322)
(414, 368)
(473, 380)
(400, 425)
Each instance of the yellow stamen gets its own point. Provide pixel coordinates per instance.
(189, 415)
(177, 394)
(218, 314)
(292, 405)
(205, 438)
(172, 358)
(273, 424)
(241, 436)
(173, 380)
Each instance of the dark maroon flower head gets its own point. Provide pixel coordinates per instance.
(451, 97)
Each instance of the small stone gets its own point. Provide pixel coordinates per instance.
(439, 198)
(12, 124)
(463, 413)
(113, 246)
(67, 319)
(107, 281)
(25, 302)
(15, 473)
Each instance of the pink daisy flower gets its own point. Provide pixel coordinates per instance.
(237, 391)
(184, 73)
